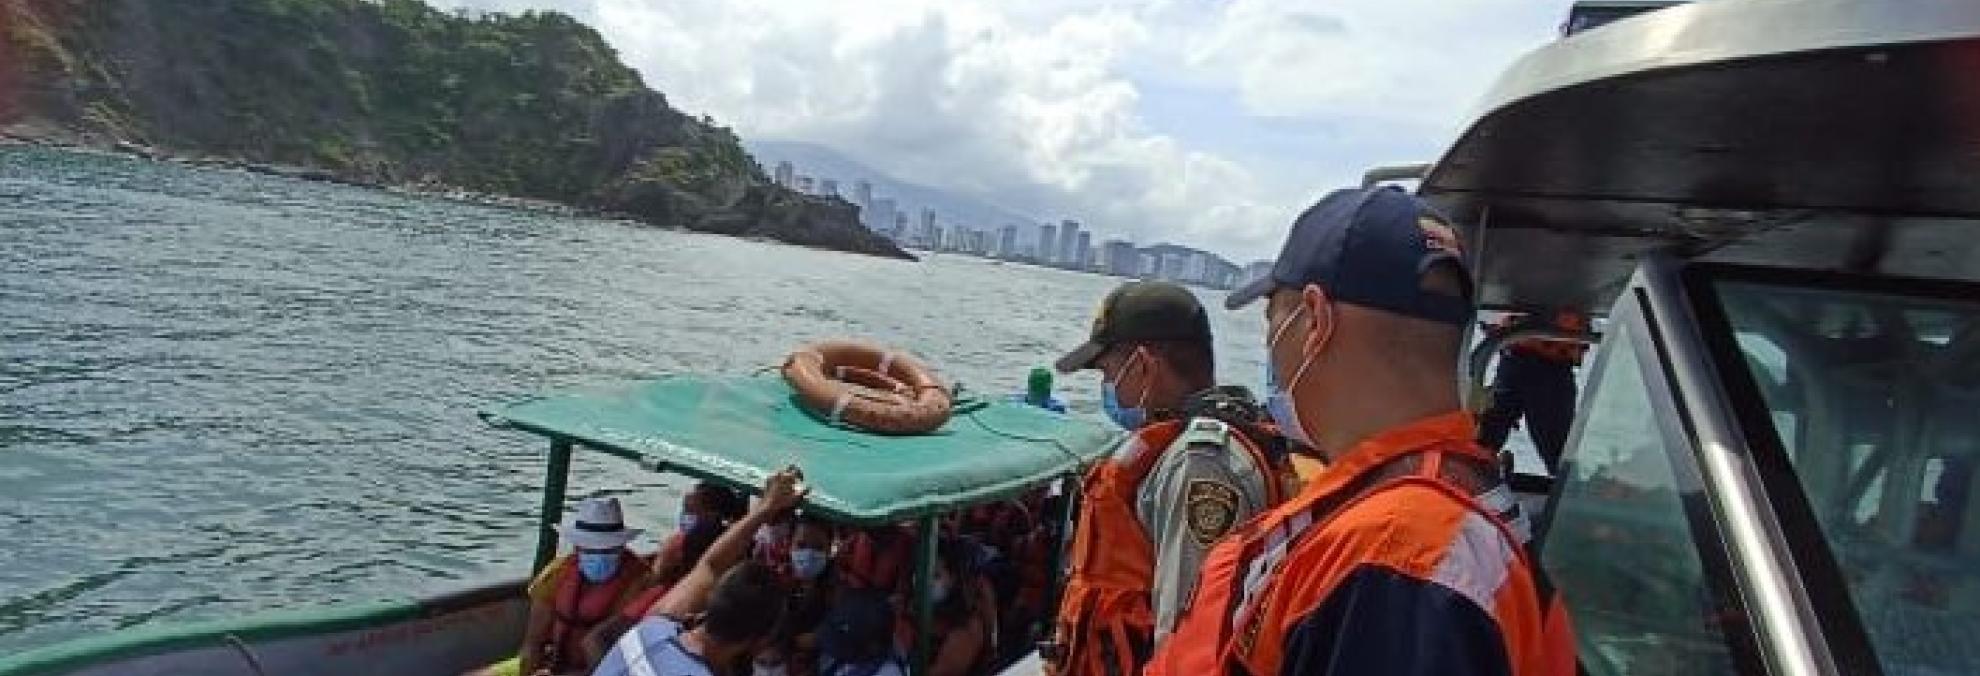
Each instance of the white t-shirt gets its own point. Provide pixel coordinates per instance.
(652, 648)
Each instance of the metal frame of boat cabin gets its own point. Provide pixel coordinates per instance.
(1627, 166)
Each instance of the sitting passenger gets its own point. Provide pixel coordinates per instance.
(876, 559)
(668, 568)
(965, 614)
(706, 509)
(577, 591)
(857, 636)
(713, 622)
(773, 547)
(810, 563)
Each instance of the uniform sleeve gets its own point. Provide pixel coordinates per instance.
(1187, 502)
(1379, 621)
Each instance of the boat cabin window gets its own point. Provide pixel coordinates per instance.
(1620, 544)
(1874, 397)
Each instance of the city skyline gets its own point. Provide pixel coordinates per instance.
(1065, 244)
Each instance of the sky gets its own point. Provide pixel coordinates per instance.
(1207, 123)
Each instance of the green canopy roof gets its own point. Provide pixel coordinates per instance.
(738, 430)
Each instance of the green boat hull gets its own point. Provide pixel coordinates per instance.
(447, 634)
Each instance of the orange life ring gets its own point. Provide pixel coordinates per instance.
(867, 386)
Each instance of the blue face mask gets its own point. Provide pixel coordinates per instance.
(1127, 418)
(598, 566)
(940, 590)
(808, 563)
(688, 521)
(1279, 401)
(1279, 405)
(1110, 401)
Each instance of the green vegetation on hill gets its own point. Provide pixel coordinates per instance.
(393, 91)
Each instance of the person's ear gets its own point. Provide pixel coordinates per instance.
(1320, 315)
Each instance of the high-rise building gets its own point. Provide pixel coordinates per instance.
(1119, 257)
(863, 194)
(828, 187)
(1084, 247)
(900, 226)
(930, 234)
(1173, 265)
(1196, 268)
(879, 215)
(786, 174)
(1048, 243)
(1253, 271)
(1069, 242)
(1007, 242)
(804, 184)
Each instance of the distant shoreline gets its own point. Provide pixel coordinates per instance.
(41, 136)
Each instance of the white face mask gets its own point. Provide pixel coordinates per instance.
(1279, 401)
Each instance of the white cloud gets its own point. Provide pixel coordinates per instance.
(1040, 105)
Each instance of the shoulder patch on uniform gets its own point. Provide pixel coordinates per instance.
(1211, 508)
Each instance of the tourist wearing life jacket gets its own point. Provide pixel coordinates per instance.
(811, 587)
(962, 631)
(1170, 487)
(1535, 381)
(669, 566)
(580, 590)
(715, 620)
(1396, 558)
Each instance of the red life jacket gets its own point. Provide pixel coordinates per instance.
(876, 559)
(1106, 621)
(578, 607)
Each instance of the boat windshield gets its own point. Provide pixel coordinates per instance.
(1874, 397)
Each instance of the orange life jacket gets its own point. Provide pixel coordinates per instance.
(1237, 620)
(876, 559)
(578, 607)
(1106, 621)
(1558, 351)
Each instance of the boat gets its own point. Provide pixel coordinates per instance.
(1774, 205)
(734, 430)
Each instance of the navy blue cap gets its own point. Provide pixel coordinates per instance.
(1370, 247)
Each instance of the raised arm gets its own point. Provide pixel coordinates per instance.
(781, 492)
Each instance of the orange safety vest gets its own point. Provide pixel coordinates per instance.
(1260, 581)
(578, 606)
(1106, 622)
(1558, 351)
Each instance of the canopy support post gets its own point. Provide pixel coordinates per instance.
(555, 478)
(1057, 586)
(924, 597)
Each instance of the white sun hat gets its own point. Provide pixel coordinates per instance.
(599, 525)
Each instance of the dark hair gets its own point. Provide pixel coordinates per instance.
(813, 520)
(747, 604)
(694, 544)
(723, 501)
(959, 556)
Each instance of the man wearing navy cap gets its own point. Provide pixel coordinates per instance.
(1397, 559)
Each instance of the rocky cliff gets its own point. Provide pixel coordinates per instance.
(395, 92)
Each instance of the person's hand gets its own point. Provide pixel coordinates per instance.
(783, 490)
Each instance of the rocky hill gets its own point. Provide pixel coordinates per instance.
(394, 92)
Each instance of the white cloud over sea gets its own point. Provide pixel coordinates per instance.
(1201, 122)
